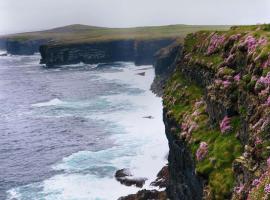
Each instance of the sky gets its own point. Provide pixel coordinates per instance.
(30, 15)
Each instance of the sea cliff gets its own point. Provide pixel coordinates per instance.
(139, 51)
(24, 47)
(216, 113)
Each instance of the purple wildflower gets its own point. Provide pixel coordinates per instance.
(225, 124)
(255, 182)
(202, 151)
(268, 101)
(239, 189)
(268, 162)
(250, 43)
(258, 141)
(267, 189)
(237, 77)
(265, 80)
(262, 41)
(226, 83)
(215, 42)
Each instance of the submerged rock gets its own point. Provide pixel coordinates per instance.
(141, 74)
(149, 117)
(125, 177)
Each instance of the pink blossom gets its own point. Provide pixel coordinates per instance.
(264, 92)
(268, 162)
(225, 124)
(226, 83)
(250, 42)
(267, 189)
(258, 141)
(262, 41)
(265, 80)
(202, 151)
(237, 77)
(215, 42)
(255, 182)
(239, 189)
(184, 127)
(268, 101)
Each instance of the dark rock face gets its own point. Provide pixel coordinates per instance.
(165, 64)
(23, 47)
(141, 52)
(125, 177)
(146, 49)
(146, 195)
(162, 180)
(3, 44)
(183, 184)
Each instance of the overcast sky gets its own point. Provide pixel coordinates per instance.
(28, 15)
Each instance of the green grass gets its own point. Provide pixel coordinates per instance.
(88, 34)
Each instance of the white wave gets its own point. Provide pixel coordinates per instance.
(141, 146)
(53, 102)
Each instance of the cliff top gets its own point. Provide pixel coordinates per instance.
(87, 34)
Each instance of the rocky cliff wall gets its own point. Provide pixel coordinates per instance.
(3, 44)
(141, 52)
(165, 61)
(216, 113)
(28, 47)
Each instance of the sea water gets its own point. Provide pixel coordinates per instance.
(65, 131)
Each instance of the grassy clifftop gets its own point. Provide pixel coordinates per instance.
(220, 97)
(87, 34)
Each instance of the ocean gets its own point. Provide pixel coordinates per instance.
(65, 131)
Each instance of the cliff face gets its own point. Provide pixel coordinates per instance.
(28, 47)
(3, 44)
(216, 113)
(142, 52)
(164, 64)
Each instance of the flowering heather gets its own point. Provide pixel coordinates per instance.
(265, 80)
(268, 162)
(226, 83)
(258, 141)
(239, 189)
(267, 189)
(225, 124)
(237, 77)
(255, 182)
(262, 41)
(251, 43)
(202, 151)
(268, 101)
(215, 42)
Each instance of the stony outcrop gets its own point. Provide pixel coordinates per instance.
(139, 51)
